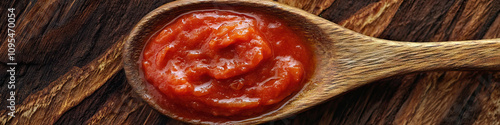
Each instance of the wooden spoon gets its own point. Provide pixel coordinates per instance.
(345, 59)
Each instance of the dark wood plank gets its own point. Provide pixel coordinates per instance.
(372, 19)
(47, 105)
(342, 9)
(312, 6)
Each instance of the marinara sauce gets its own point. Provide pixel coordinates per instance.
(225, 63)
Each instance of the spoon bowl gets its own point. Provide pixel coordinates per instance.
(344, 59)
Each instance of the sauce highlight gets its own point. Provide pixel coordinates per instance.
(224, 63)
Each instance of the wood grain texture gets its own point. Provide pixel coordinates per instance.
(311, 6)
(372, 19)
(382, 102)
(346, 59)
(465, 108)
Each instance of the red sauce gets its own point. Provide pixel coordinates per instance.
(223, 63)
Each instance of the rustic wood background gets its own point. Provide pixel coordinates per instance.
(69, 64)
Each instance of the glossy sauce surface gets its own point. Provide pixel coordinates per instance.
(225, 63)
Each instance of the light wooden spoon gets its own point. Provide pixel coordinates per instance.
(344, 59)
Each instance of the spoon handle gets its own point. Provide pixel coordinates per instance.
(452, 55)
(380, 58)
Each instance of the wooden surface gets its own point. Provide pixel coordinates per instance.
(69, 63)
